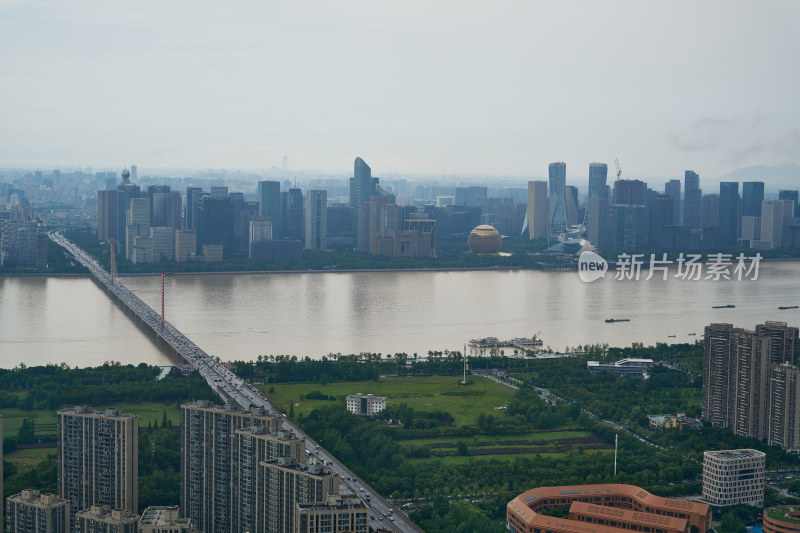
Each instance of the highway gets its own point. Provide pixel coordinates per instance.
(233, 389)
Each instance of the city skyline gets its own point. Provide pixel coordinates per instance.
(242, 88)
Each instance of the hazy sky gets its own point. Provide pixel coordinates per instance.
(412, 87)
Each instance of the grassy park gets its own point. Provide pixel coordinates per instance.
(423, 393)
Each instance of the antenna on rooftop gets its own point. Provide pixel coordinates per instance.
(619, 168)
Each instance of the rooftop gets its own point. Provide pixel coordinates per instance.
(744, 453)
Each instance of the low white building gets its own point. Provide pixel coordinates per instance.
(731, 477)
(366, 404)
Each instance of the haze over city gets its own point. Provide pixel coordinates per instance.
(449, 88)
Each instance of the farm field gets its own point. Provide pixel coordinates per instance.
(422, 393)
(28, 457)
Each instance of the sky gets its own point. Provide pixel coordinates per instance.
(467, 88)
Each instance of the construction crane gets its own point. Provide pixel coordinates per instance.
(619, 168)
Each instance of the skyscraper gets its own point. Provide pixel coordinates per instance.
(538, 207)
(598, 173)
(629, 192)
(710, 210)
(598, 226)
(166, 210)
(557, 216)
(316, 220)
(776, 217)
(269, 205)
(692, 198)
(98, 459)
(33, 512)
(752, 196)
(673, 189)
(362, 187)
(572, 205)
(215, 223)
(207, 444)
(794, 196)
(784, 419)
(292, 210)
(193, 195)
(660, 215)
(107, 215)
(729, 212)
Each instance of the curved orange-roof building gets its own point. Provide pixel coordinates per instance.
(610, 508)
(784, 519)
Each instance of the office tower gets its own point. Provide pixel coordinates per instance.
(252, 447)
(215, 223)
(134, 172)
(784, 419)
(736, 374)
(340, 514)
(557, 214)
(794, 197)
(185, 244)
(193, 195)
(207, 438)
(692, 198)
(661, 213)
(98, 459)
(107, 215)
(752, 196)
(629, 192)
(729, 212)
(629, 227)
(673, 189)
(166, 210)
(237, 206)
(598, 223)
(538, 207)
(165, 519)
(292, 210)
(710, 210)
(316, 220)
(471, 196)
(269, 205)
(733, 477)
(138, 223)
(776, 217)
(219, 192)
(163, 240)
(598, 173)
(248, 214)
(751, 230)
(102, 518)
(288, 484)
(572, 205)
(33, 512)
(260, 228)
(362, 187)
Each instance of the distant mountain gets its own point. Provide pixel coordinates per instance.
(775, 177)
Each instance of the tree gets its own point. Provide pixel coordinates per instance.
(27, 431)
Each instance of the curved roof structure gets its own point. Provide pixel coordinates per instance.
(645, 512)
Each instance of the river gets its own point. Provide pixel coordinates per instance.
(241, 316)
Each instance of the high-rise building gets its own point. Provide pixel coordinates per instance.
(661, 213)
(32, 512)
(362, 188)
(629, 192)
(572, 205)
(292, 212)
(134, 172)
(737, 367)
(165, 519)
(193, 195)
(776, 218)
(692, 198)
(598, 173)
(557, 214)
(138, 223)
(732, 477)
(784, 420)
(538, 207)
(729, 212)
(598, 223)
(340, 514)
(102, 518)
(185, 244)
(215, 223)
(710, 210)
(269, 205)
(107, 215)
(673, 189)
(288, 484)
(629, 228)
(166, 210)
(98, 459)
(163, 243)
(752, 196)
(794, 196)
(207, 443)
(316, 220)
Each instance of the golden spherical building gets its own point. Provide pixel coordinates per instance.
(484, 240)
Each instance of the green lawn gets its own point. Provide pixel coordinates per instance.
(547, 436)
(46, 420)
(461, 459)
(28, 458)
(12, 420)
(423, 393)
